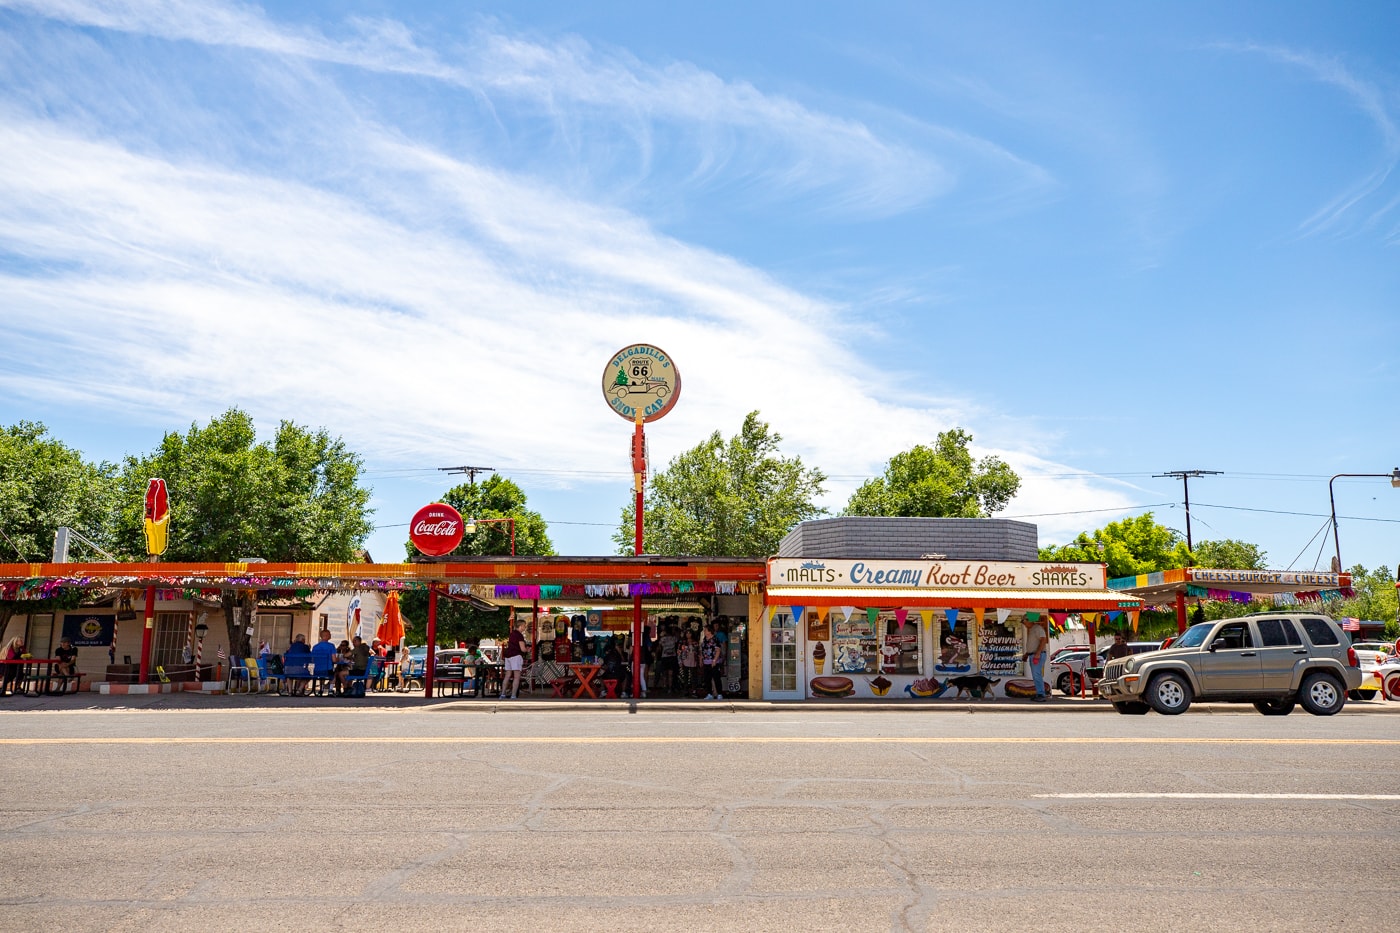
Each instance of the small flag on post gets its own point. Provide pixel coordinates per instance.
(222, 655)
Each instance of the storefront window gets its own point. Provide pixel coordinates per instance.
(855, 645)
(899, 650)
(782, 653)
(999, 649)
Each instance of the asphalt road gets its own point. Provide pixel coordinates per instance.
(820, 818)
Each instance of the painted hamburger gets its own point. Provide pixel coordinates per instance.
(832, 686)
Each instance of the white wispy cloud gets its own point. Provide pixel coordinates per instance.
(1355, 207)
(594, 96)
(426, 302)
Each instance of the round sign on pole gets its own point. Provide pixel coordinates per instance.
(641, 378)
(436, 529)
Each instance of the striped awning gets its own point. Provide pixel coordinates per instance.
(930, 597)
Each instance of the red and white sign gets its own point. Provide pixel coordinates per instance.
(436, 529)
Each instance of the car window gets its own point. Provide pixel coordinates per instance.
(1235, 636)
(1319, 632)
(1277, 633)
(1195, 636)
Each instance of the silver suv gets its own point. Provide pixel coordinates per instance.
(1273, 661)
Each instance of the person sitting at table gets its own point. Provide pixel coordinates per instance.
(67, 657)
(298, 656)
(14, 651)
(342, 667)
(359, 657)
(613, 666)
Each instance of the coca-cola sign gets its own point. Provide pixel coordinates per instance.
(436, 529)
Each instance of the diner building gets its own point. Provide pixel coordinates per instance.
(916, 609)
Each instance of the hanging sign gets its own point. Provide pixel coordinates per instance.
(641, 378)
(157, 517)
(436, 529)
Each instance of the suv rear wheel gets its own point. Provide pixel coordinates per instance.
(1321, 695)
(1169, 694)
(1274, 707)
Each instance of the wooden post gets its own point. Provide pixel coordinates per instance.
(147, 634)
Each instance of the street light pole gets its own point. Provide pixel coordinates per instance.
(1393, 476)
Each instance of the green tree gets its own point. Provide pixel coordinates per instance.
(295, 498)
(1142, 545)
(1128, 546)
(734, 498)
(44, 484)
(495, 498)
(1230, 554)
(1375, 596)
(941, 481)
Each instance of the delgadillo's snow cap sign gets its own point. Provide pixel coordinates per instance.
(641, 378)
(436, 529)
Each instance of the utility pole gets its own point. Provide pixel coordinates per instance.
(1185, 476)
(471, 471)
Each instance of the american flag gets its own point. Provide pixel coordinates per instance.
(1351, 625)
(222, 655)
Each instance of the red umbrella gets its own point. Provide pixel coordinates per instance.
(391, 628)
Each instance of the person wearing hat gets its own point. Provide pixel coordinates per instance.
(67, 657)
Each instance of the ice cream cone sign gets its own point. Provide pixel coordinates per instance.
(157, 517)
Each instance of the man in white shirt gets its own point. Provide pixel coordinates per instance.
(1036, 644)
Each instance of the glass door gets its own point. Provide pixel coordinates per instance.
(782, 659)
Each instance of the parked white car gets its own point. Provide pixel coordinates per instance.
(1371, 654)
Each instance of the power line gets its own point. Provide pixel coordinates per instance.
(1186, 476)
(471, 471)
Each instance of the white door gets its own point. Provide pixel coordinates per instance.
(783, 659)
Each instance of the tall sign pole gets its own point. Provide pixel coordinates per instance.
(156, 527)
(641, 384)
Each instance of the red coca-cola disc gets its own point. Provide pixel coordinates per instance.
(436, 529)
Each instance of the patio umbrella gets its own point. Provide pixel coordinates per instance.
(391, 628)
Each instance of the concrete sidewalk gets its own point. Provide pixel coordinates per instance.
(393, 702)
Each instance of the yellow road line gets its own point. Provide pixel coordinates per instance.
(666, 740)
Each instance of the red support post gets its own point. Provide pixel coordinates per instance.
(1180, 613)
(430, 662)
(147, 634)
(639, 471)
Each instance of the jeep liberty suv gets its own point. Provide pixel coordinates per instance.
(1273, 661)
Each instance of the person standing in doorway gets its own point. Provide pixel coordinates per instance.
(514, 657)
(711, 665)
(1036, 644)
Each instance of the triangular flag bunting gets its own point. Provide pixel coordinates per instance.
(899, 616)
(797, 614)
(1032, 617)
(1002, 616)
(952, 615)
(1059, 617)
(926, 615)
(1113, 616)
(977, 614)
(846, 612)
(873, 615)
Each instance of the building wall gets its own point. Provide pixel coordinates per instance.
(897, 538)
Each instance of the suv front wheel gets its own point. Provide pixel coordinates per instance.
(1169, 694)
(1321, 695)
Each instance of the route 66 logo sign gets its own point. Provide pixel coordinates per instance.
(641, 378)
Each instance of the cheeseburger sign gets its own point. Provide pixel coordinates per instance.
(436, 529)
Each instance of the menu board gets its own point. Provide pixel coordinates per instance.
(855, 648)
(900, 652)
(999, 650)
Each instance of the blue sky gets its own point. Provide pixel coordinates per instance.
(1110, 240)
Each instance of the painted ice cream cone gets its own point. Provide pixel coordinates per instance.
(819, 657)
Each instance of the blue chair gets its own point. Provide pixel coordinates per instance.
(238, 674)
(271, 680)
(356, 684)
(322, 672)
(297, 676)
